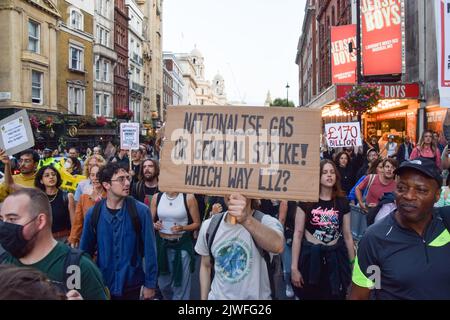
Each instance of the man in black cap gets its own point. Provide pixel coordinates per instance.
(407, 254)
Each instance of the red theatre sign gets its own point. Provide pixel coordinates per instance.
(343, 62)
(382, 39)
(388, 90)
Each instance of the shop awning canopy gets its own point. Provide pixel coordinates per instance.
(330, 96)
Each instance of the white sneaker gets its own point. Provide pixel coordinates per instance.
(289, 291)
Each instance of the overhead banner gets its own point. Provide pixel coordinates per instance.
(262, 153)
(345, 135)
(343, 63)
(382, 41)
(443, 49)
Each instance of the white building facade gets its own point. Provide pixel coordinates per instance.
(136, 63)
(104, 58)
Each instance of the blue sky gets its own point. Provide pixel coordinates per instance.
(252, 43)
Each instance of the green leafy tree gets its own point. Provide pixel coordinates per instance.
(278, 102)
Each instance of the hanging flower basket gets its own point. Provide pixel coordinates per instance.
(101, 121)
(360, 100)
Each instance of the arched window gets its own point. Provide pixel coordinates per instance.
(76, 19)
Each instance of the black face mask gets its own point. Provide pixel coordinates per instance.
(12, 240)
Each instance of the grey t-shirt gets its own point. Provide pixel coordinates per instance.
(240, 270)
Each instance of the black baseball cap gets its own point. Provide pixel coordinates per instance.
(424, 165)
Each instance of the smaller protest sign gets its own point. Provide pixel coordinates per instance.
(129, 136)
(15, 133)
(340, 135)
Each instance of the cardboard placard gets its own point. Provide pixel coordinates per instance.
(129, 136)
(16, 134)
(347, 134)
(260, 152)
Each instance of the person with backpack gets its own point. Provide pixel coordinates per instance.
(147, 186)
(406, 255)
(322, 246)
(120, 232)
(26, 236)
(235, 254)
(175, 217)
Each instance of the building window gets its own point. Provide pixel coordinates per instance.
(97, 104)
(102, 36)
(97, 70)
(76, 58)
(33, 36)
(76, 19)
(105, 71)
(36, 87)
(76, 100)
(106, 105)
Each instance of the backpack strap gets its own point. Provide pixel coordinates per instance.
(258, 215)
(132, 211)
(96, 216)
(72, 258)
(158, 200)
(210, 235)
(187, 208)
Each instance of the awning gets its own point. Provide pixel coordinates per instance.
(387, 91)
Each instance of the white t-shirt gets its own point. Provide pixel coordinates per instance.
(240, 270)
(391, 148)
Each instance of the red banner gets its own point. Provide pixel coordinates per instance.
(343, 62)
(387, 90)
(381, 37)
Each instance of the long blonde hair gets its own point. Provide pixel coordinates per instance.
(101, 162)
(422, 141)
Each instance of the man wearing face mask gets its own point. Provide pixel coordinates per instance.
(28, 162)
(26, 236)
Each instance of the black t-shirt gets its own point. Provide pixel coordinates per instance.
(270, 208)
(60, 212)
(324, 218)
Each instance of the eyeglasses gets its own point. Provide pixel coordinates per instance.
(122, 179)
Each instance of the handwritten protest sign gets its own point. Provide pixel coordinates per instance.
(15, 133)
(270, 153)
(346, 134)
(129, 136)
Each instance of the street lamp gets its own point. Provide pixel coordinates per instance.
(287, 94)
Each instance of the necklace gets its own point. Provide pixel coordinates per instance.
(54, 197)
(171, 199)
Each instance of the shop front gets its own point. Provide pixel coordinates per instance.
(396, 113)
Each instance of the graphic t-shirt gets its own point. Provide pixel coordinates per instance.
(324, 218)
(240, 270)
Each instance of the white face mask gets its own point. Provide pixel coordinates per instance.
(67, 165)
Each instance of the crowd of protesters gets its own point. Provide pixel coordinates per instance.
(103, 212)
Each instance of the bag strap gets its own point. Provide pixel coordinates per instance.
(210, 235)
(369, 184)
(72, 258)
(187, 208)
(96, 215)
(132, 211)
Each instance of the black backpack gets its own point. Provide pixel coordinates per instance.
(130, 202)
(274, 265)
(72, 258)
